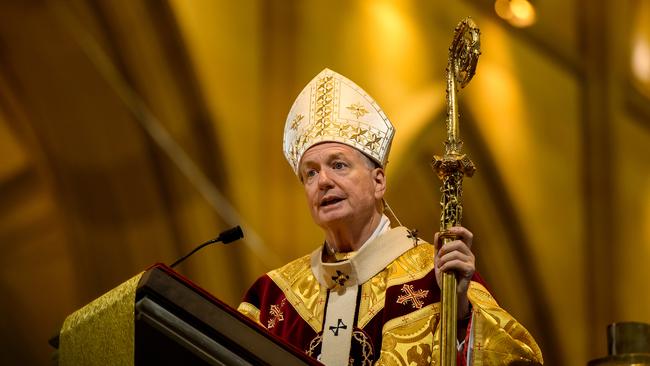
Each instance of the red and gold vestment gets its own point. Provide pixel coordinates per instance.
(394, 314)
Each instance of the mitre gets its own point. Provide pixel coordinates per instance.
(331, 108)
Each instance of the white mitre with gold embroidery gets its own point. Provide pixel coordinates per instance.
(332, 108)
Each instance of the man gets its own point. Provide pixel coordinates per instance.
(371, 293)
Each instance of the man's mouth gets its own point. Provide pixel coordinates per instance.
(327, 201)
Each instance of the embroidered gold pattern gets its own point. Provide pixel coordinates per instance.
(296, 121)
(404, 338)
(326, 125)
(420, 354)
(410, 337)
(358, 337)
(275, 314)
(501, 339)
(321, 128)
(415, 264)
(343, 129)
(363, 135)
(359, 135)
(324, 98)
(358, 110)
(334, 108)
(498, 338)
(311, 351)
(373, 141)
(366, 348)
(412, 296)
(412, 265)
(302, 290)
(373, 301)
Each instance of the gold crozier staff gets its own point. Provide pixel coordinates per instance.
(461, 65)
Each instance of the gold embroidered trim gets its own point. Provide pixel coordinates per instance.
(412, 265)
(335, 109)
(327, 126)
(498, 338)
(296, 121)
(250, 311)
(308, 298)
(364, 343)
(415, 316)
(373, 294)
(360, 135)
(301, 289)
(479, 295)
(410, 338)
(357, 109)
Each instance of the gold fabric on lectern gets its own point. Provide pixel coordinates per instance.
(102, 332)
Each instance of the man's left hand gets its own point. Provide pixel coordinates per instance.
(456, 256)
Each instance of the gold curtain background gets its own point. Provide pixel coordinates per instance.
(93, 191)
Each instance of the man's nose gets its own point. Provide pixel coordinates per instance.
(324, 180)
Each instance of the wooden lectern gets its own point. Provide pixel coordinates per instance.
(178, 323)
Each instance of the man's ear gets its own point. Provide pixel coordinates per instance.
(379, 177)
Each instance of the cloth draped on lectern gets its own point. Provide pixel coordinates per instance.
(395, 314)
(102, 332)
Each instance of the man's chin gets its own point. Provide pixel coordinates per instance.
(332, 217)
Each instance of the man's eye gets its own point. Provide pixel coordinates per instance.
(310, 173)
(338, 165)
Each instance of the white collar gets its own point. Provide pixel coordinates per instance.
(381, 248)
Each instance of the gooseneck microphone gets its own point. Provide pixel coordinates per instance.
(225, 237)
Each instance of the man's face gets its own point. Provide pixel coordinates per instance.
(340, 184)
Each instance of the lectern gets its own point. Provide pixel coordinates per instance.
(177, 322)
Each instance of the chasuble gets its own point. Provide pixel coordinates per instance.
(381, 307)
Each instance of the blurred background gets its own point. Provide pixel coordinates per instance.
(132, 131)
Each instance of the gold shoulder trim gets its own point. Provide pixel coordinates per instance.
(498, 338)
(305, 294)
(412, 265)
(425, 312)
(479, 295)
(250, 311)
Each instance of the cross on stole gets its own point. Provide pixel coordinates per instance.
(339, 325)
(340, 278)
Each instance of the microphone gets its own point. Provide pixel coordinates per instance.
(225, 237)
